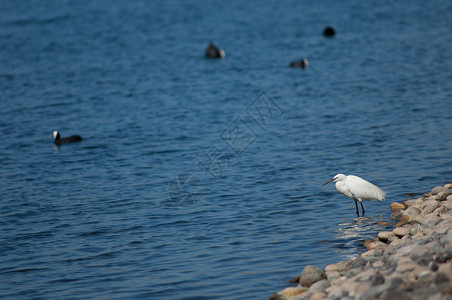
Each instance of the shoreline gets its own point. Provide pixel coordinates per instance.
(413, 261)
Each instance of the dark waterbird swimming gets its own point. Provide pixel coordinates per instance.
(329, 31)
(213, 51)
(71, 139)
(304, 63)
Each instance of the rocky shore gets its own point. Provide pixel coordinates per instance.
(412, 261)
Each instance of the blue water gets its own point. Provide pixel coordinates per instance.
(180, 189)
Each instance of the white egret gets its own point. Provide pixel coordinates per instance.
(358, 189)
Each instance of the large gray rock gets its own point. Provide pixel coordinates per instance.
(311, 275)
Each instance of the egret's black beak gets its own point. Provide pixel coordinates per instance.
(328, 181)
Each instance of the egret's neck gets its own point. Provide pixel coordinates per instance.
(340, 186)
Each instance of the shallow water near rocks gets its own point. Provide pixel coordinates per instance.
(201, 179)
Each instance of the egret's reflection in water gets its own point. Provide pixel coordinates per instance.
(349, 235)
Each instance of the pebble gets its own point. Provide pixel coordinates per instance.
(338, 281)
(396, 214)
(447, 290)
(368, 254)
(411, 212)
(433, 265)
(332, 275)
(365, 275)
(310, 275)
(397, 296)
(384, 236)
(414, 202)
(449, 200)
(397, 206)
(352, 272)
(406, 238)
(437, 189)
(378, 264)
(362, 288)
(445, 268)
(441, 278)
(401, 231)
(375, 245)
(444, 256)
(367, 242)
(357, 263)
(406, 267)
(440, 210)
(441, 196)
(320, 286)
(429, 206)
(448, 236)
(403, 220)
(318, 296)
(336, 292)
(287, 293)
(386, 224)
(413, 261)
(392, 239)
(339, 267)
(430, 220)
(443, 227)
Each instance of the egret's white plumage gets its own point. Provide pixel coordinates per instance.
(358, 189)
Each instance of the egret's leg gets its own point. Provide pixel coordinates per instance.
(357, 211)
(362, 207)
